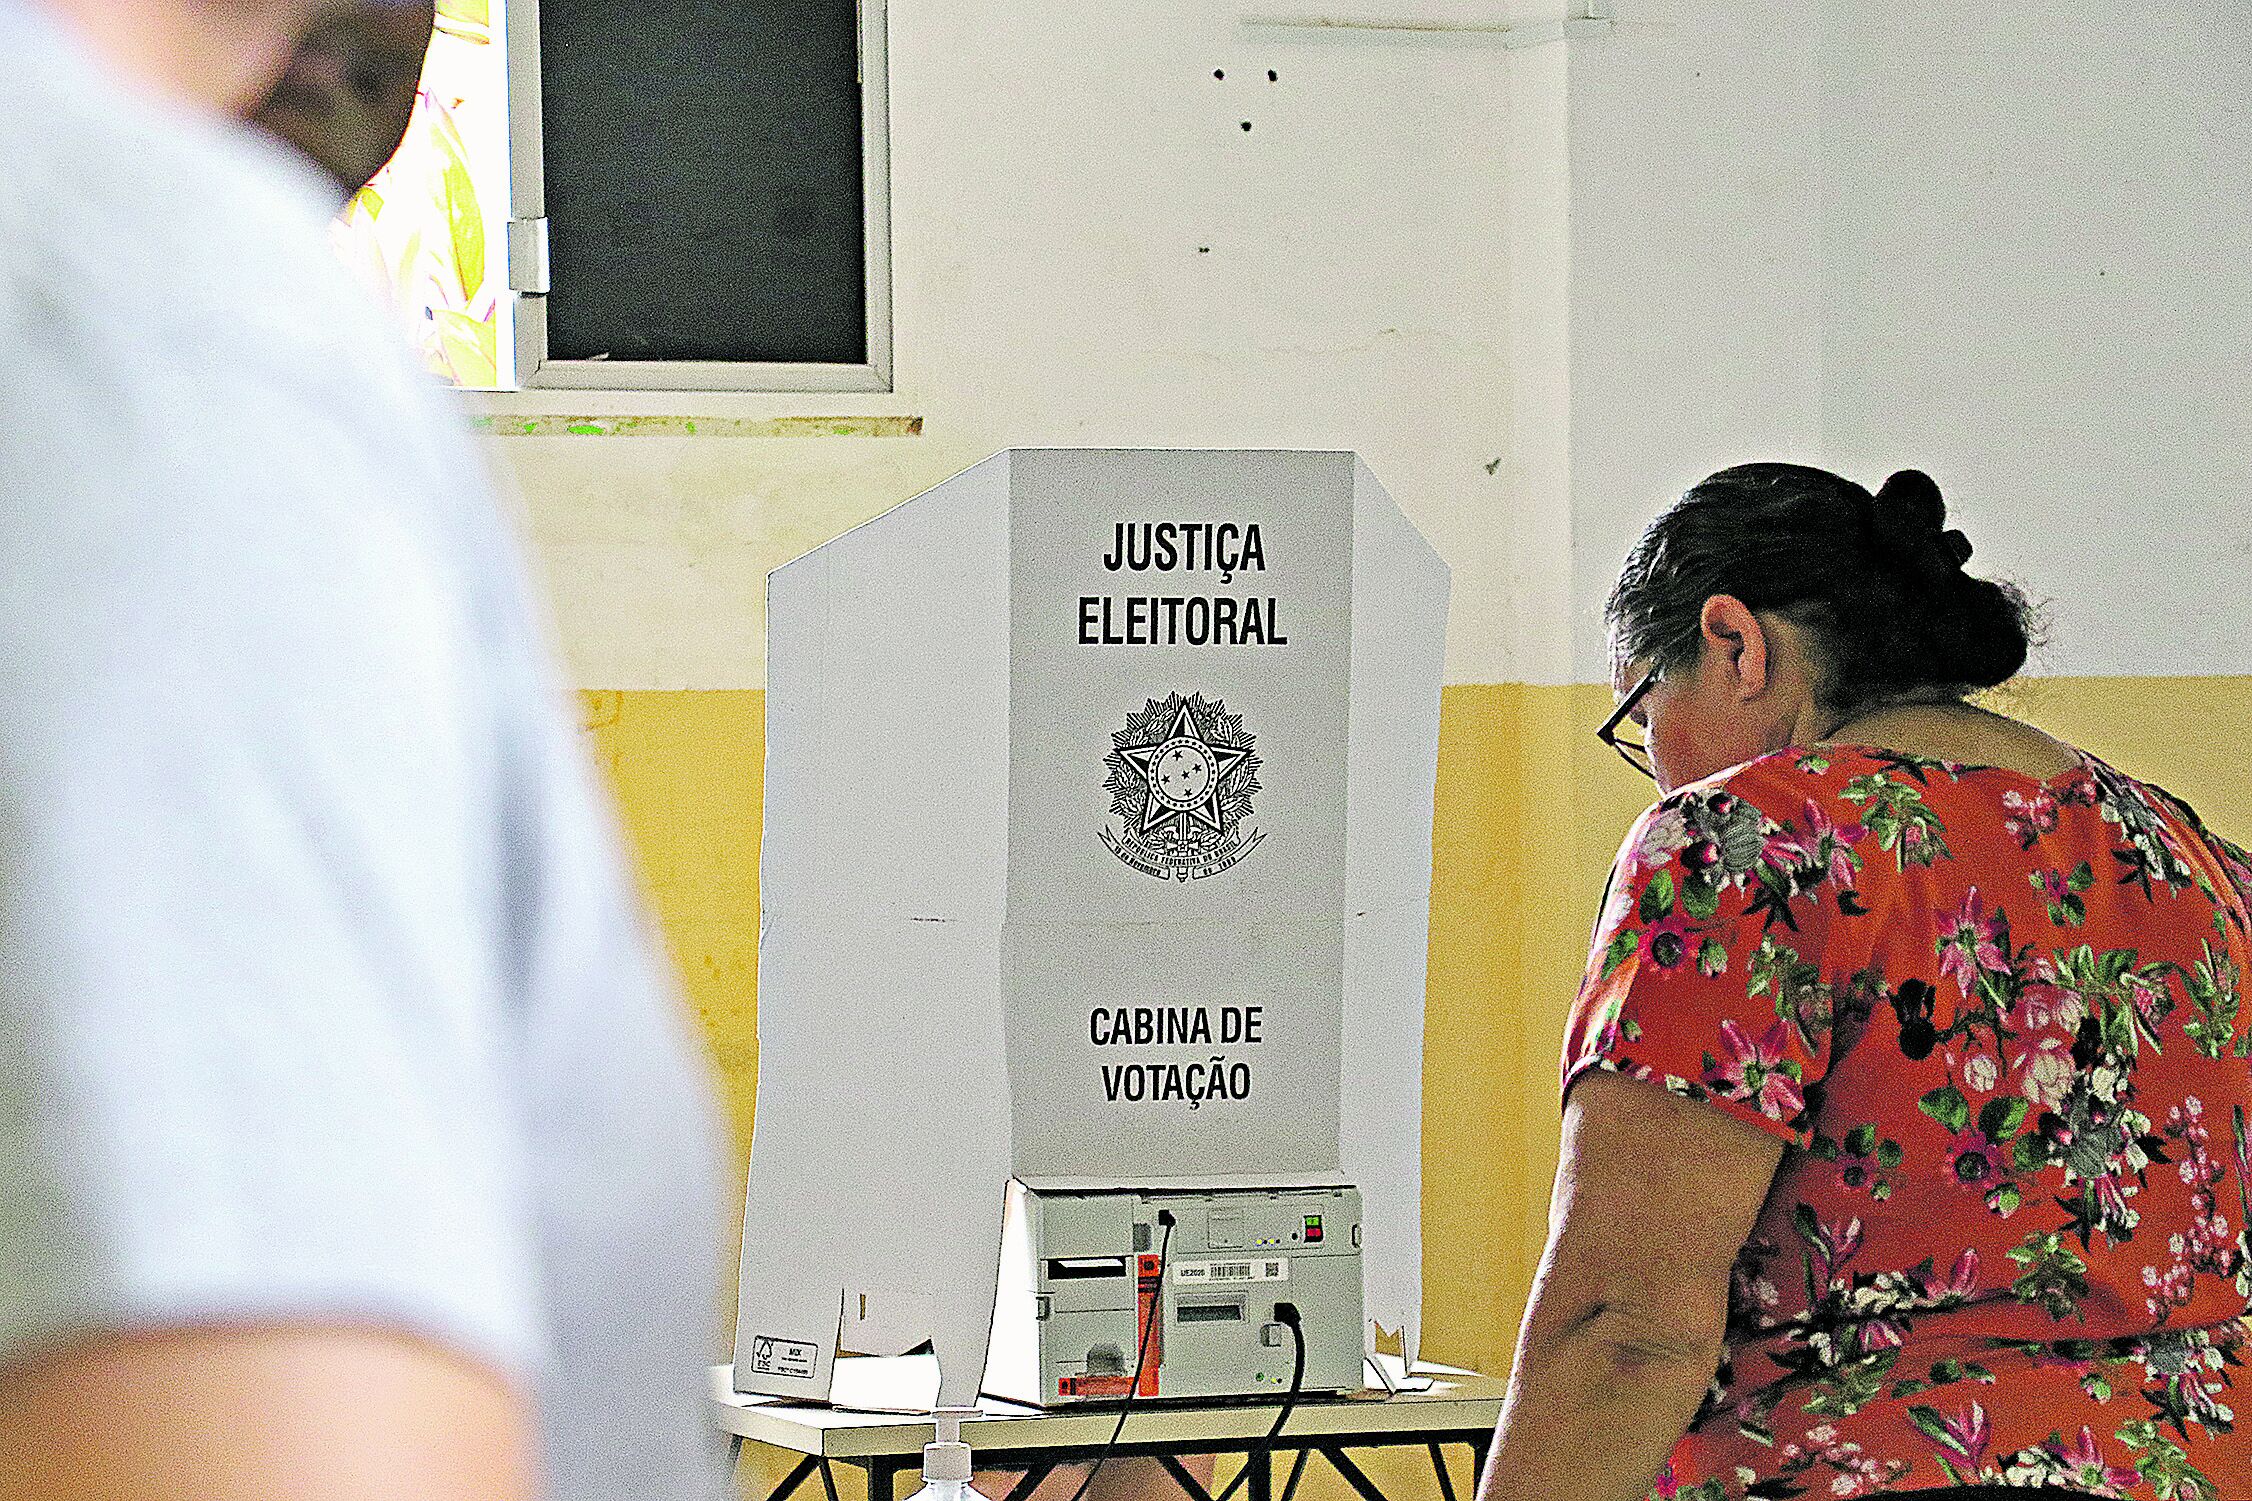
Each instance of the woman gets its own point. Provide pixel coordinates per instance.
(1905, 1143)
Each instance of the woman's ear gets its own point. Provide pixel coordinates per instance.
(1739, 645)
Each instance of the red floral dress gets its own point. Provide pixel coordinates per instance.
(1996, 1019)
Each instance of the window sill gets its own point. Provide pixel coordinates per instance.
(653, 414)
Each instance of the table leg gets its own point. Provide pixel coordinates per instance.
(1263, 1475)
(790, 1482)
(1439, 1468)
(1297, 1469)
(1354, 1477)
(1477, 1450)
(1027, 1483)
(1181, 1477)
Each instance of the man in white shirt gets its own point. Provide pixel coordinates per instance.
(352, 1143)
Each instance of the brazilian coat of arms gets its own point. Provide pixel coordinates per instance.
(1182, 774)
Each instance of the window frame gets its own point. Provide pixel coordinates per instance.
(527, 252)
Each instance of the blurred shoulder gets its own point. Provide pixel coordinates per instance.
(202, 400)
(222, 462)
(137, 235)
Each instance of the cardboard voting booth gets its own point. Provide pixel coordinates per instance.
(1097, 852)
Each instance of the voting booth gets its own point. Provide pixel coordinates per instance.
(1097, 855)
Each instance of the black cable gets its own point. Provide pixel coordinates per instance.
(1286, 1314)
(1133, 1387)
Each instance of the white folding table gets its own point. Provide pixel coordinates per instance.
(875, 1426)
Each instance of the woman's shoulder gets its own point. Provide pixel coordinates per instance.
(1859, 774)
(1774, 809)
(1821, 800)
(1780, 783)
(1911, 801)
(1739, 806)
(2153, 820)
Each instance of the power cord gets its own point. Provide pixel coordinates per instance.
(1133, 1387)
(1286, 1314)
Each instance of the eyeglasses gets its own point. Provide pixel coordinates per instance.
(1636, 753)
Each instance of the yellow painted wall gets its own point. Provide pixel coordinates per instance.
(1530, 810)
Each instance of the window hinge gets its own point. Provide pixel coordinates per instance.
(527, 256)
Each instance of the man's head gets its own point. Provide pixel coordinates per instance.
(215, 55)
(347, 92)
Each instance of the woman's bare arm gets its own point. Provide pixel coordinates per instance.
(1654, 1197)
(260, 1414)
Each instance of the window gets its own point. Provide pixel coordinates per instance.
(698, 192)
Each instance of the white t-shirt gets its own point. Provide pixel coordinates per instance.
(322, 992)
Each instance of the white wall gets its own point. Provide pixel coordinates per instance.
(2038, 270)
(2007, 245)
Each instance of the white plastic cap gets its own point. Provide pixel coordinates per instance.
(948, 1458)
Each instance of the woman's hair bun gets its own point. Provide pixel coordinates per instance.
(1878, 579)
(1913, 497)
(1906, 519)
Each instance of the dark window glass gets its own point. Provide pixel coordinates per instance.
(703, 180)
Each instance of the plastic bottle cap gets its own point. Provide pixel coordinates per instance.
(943, 1462)
(948, 1458)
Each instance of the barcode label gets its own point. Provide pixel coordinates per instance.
(793, 1358)
(1264, 1269)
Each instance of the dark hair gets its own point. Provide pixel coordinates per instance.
(1876, 580)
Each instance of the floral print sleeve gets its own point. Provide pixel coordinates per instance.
(1696, 981)
(1999, 1019)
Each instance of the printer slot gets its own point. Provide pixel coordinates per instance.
(1229, 1311)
